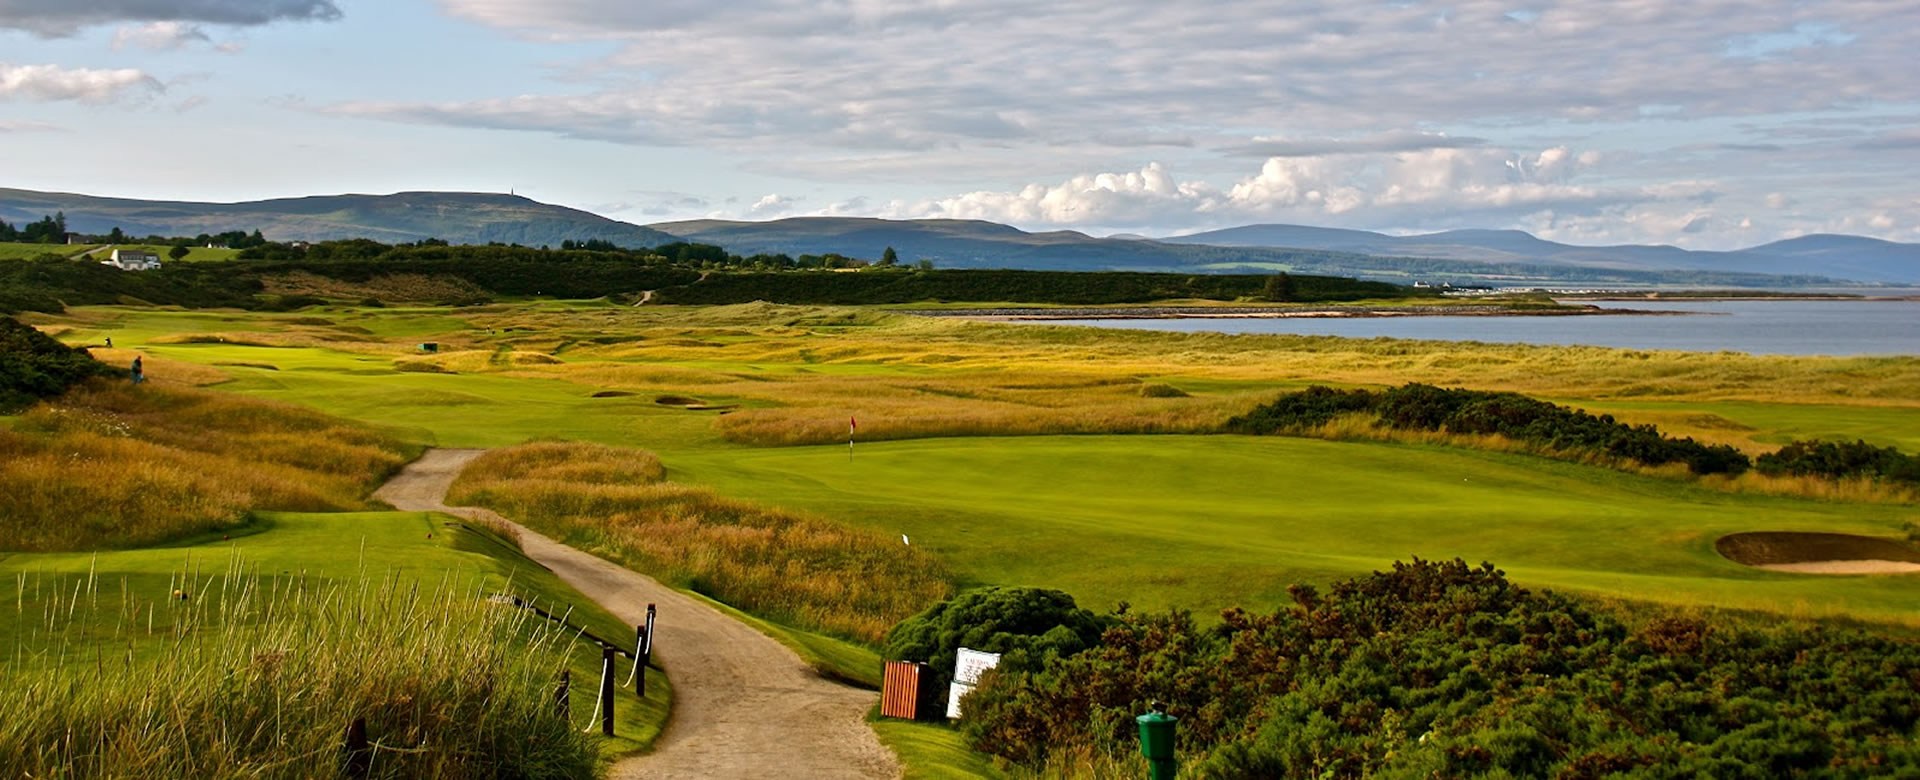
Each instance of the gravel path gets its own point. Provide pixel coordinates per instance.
(743, 705)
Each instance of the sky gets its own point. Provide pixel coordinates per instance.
(1708, 124)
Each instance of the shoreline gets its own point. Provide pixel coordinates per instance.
(1272, 312)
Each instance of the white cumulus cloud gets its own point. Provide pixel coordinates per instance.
(160, 36)
(87, 85)
(1401, 188)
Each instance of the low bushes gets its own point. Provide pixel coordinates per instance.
(33, 365)
(1840, 460)
(1448, 670)
(1026, 625)
(1472, 412)
(111, 465)
(786, 567)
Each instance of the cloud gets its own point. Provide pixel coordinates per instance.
(1275, 146)
(60, 18)
(1309, 77)
(160, 36)
(86, 85)
(770, 206)
(27, 126)
(1892, 141)
(1406, 188)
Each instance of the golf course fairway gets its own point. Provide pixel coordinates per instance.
(1207, 522)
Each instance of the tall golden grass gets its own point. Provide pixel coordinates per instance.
(259, 677)
(786, 567)
(111, 465)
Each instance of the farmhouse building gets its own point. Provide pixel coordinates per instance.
(133, 260)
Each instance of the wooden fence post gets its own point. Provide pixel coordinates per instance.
(640, 661)
(606, 690)
(359, 759)
(560, 695)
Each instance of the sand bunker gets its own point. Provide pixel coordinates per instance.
(1820, 553)
(1846, 567)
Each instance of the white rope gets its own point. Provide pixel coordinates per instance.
(598, 699)
(637, 656)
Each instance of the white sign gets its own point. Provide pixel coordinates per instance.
(967, 669)
(971, 664)
(954, 692)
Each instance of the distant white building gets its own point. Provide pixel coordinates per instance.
(133, 260)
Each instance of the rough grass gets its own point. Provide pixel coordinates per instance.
(386, 287)
(783, 566)
(260, 676)
(111, 465)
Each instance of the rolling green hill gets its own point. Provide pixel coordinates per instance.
(455, 217)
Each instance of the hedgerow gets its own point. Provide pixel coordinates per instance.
(1428, 408)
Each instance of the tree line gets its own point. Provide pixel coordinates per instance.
(1475, 412)
(1558, 428)
(52, 229)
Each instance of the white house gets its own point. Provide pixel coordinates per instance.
(133, 260)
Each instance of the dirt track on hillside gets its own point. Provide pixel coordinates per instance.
(743, 705)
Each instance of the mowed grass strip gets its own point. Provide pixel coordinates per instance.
(282, 635)
(112, 465)
(786, 567)
(1211, 522)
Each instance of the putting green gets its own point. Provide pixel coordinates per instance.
(1206, 522)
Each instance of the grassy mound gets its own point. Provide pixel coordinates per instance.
(1763, 548)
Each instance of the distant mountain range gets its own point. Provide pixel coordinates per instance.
(1495, 256)
(1502, 257)
(456, 217)
(1841, 257)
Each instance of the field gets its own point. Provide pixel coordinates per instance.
(1180, 520)
(135, 527)
(1060, 457)
(13, 251)
(369, 559)
(16, 251)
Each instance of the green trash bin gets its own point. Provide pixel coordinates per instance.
(1156, 741)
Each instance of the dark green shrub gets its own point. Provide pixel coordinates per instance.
(1428, 408)
(1309, 408)
(1026, 625)
(1840, 460)
(1440, 669)
(34, 366)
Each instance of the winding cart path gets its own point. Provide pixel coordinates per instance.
(743, 705)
